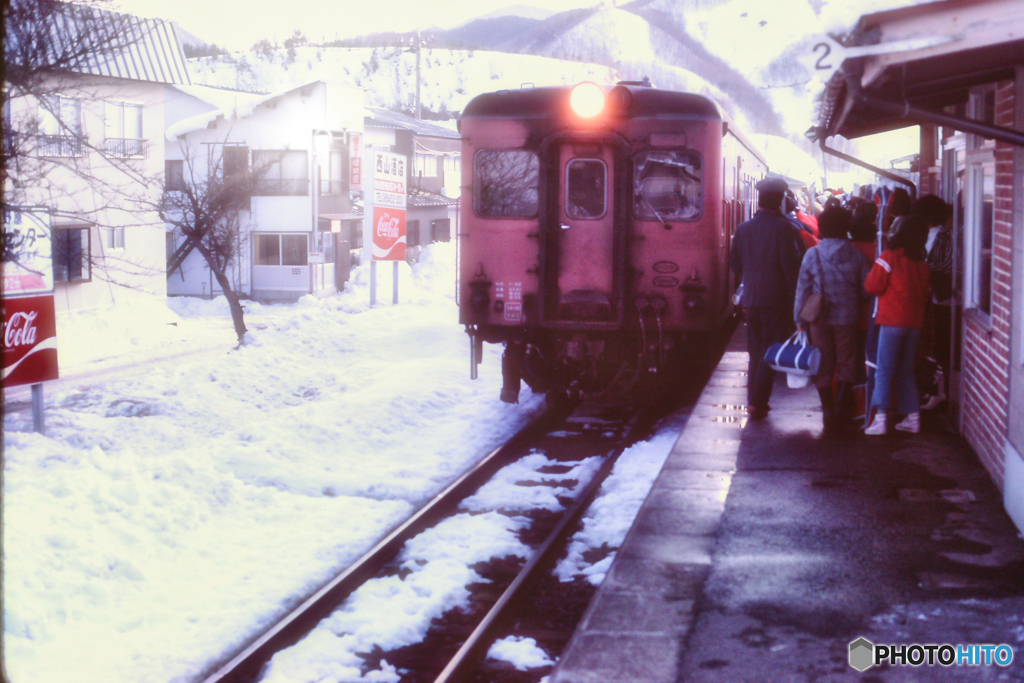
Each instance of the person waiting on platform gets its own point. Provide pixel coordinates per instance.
(836, 269)
(766, 258)
(900, 280)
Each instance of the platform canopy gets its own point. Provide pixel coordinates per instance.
(904, 67)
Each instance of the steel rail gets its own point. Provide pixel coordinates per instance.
(472, 650)
(247, 664)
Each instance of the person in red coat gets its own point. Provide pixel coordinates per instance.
(900, 280)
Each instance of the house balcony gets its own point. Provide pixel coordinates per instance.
(280, 187)
(60, 146)
(126, 148)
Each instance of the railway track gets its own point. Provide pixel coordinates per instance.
(458, 642)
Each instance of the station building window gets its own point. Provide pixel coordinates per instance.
(980, 203)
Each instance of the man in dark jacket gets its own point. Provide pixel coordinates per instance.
(766, 257)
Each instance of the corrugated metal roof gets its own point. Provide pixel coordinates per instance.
(418, 198)
(385, 118)
(88, 40)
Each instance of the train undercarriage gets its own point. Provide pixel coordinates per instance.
(597, 365)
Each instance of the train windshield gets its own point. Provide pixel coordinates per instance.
(667, 186)
(507, 183)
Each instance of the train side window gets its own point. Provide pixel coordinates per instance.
(585, 188)
(506, 183)
(668, 186)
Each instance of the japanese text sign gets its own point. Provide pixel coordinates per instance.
(389, 206)
(27, 266)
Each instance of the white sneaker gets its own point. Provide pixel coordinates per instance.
(879, 425)
(911, 423)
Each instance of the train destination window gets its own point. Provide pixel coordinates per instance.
(667, 186)
(585, 188)
(506, 183)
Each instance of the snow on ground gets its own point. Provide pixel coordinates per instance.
(608, 519)
(170, 513)
(521, 652)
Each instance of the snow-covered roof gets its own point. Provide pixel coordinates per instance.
(377, 117)
(217, 96)
(241, 107)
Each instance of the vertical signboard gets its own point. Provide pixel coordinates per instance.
(388, 206)
(29, 328)
(355, 155)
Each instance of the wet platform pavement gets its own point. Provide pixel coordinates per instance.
(765, 548)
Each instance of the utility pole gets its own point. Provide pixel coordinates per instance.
(417, 44)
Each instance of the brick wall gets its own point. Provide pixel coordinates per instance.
(986, 349)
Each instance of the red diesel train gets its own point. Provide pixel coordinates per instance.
(595, 230)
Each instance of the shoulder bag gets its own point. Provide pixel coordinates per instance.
(815, 308)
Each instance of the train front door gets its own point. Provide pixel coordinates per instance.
(584, 263)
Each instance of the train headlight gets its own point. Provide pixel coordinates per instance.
(587, 99)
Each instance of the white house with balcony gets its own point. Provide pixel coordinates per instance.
(296, 147)
(85, 146)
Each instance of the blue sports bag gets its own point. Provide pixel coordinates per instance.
(795, 356)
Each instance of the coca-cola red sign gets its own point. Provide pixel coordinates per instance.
(389, 203)
(30, 340)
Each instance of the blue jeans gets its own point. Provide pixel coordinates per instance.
(897, 347)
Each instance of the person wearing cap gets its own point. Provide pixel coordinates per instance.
(766, 258)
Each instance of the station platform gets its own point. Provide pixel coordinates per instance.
(766, 548)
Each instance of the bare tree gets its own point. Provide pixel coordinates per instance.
(205, 208)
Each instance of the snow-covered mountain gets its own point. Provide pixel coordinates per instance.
(750, 56)
(686, 45)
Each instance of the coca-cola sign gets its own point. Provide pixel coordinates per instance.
(389, 205)
(30, 340)
(388, 234)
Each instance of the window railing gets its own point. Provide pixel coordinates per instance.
(61, 146)
(126, 148)
(278, 187)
